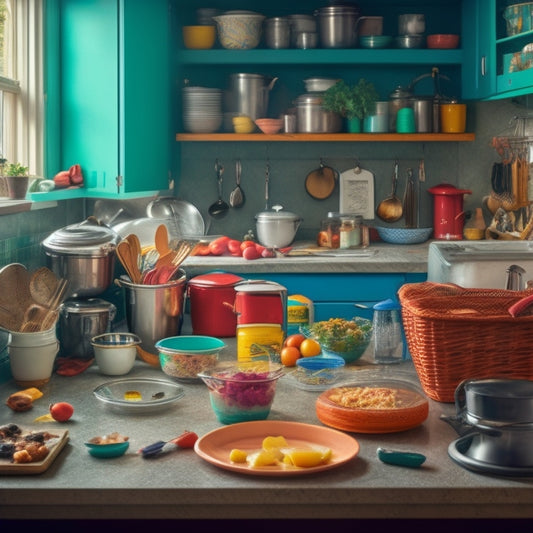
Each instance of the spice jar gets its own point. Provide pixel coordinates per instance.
(350, 231)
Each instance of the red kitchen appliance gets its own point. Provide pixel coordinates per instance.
(261, 302)
(211, 300)
(448, 214)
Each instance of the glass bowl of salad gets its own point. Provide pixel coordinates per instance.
(183, 357)
(348, 339)
(242, 391)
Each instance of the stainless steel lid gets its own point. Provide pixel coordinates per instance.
(277, 213)
(496, 401)
(83, 238)
(89, 306)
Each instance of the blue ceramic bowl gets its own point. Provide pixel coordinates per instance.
(107, 451)
(404, 235)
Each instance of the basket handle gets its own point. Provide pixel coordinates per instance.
(522, 305)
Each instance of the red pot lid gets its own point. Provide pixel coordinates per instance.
(448, 190)
(215, 279)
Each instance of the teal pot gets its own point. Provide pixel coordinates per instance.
(353, 125)
(379, 122)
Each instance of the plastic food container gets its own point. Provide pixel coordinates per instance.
(240, 392)
(212, 300)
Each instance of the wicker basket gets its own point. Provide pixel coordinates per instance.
(454, 333)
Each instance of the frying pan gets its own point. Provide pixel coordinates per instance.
(320, 183)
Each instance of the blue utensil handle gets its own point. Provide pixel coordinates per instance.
(393, 457)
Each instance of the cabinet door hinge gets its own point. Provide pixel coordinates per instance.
(119, 183)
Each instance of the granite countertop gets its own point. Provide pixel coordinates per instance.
(182, 485)
(377, 258)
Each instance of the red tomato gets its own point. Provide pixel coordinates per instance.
(268, 252)
(250, 253)
(61, 411)
(219, 246)
(186, 439)
(247, 244)
(260, 248)
(234, 247)
(201, 249)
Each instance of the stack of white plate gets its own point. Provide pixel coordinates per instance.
(202, 109)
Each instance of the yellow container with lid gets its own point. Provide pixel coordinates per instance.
(300, 312)
(259, 342)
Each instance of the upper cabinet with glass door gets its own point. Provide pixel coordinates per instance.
(498, 38)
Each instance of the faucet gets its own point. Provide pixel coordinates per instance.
(514, 278)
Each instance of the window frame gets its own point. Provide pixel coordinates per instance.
(21, 90)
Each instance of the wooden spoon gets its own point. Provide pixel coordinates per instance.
(161, 244)
(390, 209)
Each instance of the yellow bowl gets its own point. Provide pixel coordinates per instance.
(243, 124)
(199, 37)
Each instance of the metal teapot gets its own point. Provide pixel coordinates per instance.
(249, 94)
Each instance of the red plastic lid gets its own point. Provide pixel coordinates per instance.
(215, 279)
(448, 189)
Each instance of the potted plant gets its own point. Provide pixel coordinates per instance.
(353, 102)
(16, 177)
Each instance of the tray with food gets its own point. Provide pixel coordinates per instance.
(27, 451)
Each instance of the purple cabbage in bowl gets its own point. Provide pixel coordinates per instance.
(240, 392)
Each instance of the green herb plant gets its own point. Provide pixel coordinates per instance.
(351, 101)
(12, 169)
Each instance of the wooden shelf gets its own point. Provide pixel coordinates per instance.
(323, 137)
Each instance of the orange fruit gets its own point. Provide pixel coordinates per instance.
(289, 355)
(294, 340)
(310, 348)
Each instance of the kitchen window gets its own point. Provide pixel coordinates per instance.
(21, 83)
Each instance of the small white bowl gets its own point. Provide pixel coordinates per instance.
(115, 352)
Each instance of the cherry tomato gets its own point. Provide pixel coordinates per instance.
(260, 248)
(234, 247)
(61, 411)
(251, 253)
(268, 252)
(186, 439)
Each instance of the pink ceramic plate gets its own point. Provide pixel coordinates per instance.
(216, 445)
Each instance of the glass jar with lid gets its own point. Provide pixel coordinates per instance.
(349, 229)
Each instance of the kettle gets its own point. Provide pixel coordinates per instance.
(249, 94)
(448, 213)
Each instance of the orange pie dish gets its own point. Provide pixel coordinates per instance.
(374, 406)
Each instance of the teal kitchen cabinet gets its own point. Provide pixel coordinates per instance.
(342, 295)
(478, 37)
(108, 94)
(488, 51)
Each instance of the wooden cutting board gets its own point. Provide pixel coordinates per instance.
(8, 468)
(357, 192)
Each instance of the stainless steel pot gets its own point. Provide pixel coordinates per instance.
(312, 118)
(499, 414)
(79, 322)
(338, 26)
(277, 228)
(84, 254)
(249, 94)
(154, 312)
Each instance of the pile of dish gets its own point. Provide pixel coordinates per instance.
(202, 109)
